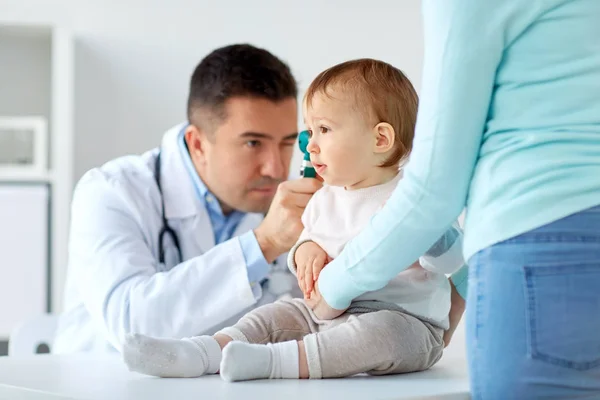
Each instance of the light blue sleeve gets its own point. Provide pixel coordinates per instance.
(257, 266)
(463, 48)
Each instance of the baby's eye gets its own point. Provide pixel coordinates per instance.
(309, 133)
(324, 129)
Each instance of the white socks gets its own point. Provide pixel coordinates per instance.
(243, 361)
(172, 358)
(201, 355)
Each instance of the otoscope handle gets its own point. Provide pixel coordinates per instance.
(306, 170)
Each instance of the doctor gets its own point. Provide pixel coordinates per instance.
(173, 243)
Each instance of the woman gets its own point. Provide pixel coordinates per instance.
(508, 126)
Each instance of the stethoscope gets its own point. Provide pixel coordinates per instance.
(166, 229)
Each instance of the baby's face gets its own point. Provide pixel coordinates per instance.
(342, 140)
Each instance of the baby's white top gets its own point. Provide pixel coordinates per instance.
(335, 215)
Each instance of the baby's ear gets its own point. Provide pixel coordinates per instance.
(385, 137)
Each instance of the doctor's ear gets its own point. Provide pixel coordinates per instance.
(385, 137)
(196, 142)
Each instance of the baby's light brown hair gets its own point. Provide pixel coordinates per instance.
(381, 90)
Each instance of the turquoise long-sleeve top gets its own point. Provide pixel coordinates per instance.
(508, 126)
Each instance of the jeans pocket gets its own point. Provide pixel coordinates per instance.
(564, 314)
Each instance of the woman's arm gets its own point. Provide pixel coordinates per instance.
(464, 42)
(457, 308)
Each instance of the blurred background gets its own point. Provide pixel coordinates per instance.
(85, 81)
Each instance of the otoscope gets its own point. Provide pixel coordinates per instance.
(306, 170)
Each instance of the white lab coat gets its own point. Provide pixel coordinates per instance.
(115, 284)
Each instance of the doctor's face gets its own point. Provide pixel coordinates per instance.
(243, 160)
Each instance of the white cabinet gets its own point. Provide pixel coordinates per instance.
(24, 262)
(36, 90)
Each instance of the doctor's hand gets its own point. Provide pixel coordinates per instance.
(310, 259)
(282, 225)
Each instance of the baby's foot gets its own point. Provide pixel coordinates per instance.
(172, 358)
(244, 361)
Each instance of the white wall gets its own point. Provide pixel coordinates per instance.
(133, 58)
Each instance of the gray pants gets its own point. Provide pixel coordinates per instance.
(378, 343)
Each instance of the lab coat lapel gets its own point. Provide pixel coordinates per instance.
(182, 206)
(204, 236)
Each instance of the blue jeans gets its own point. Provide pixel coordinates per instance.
(533, 313)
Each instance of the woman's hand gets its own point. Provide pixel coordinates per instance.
(320, 307)
(457, 309)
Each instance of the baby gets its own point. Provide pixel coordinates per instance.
(361, 117)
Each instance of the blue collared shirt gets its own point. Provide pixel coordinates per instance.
(224, 225)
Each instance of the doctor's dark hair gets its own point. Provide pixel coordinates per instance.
(239, 70)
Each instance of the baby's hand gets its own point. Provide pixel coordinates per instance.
(310, 259)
